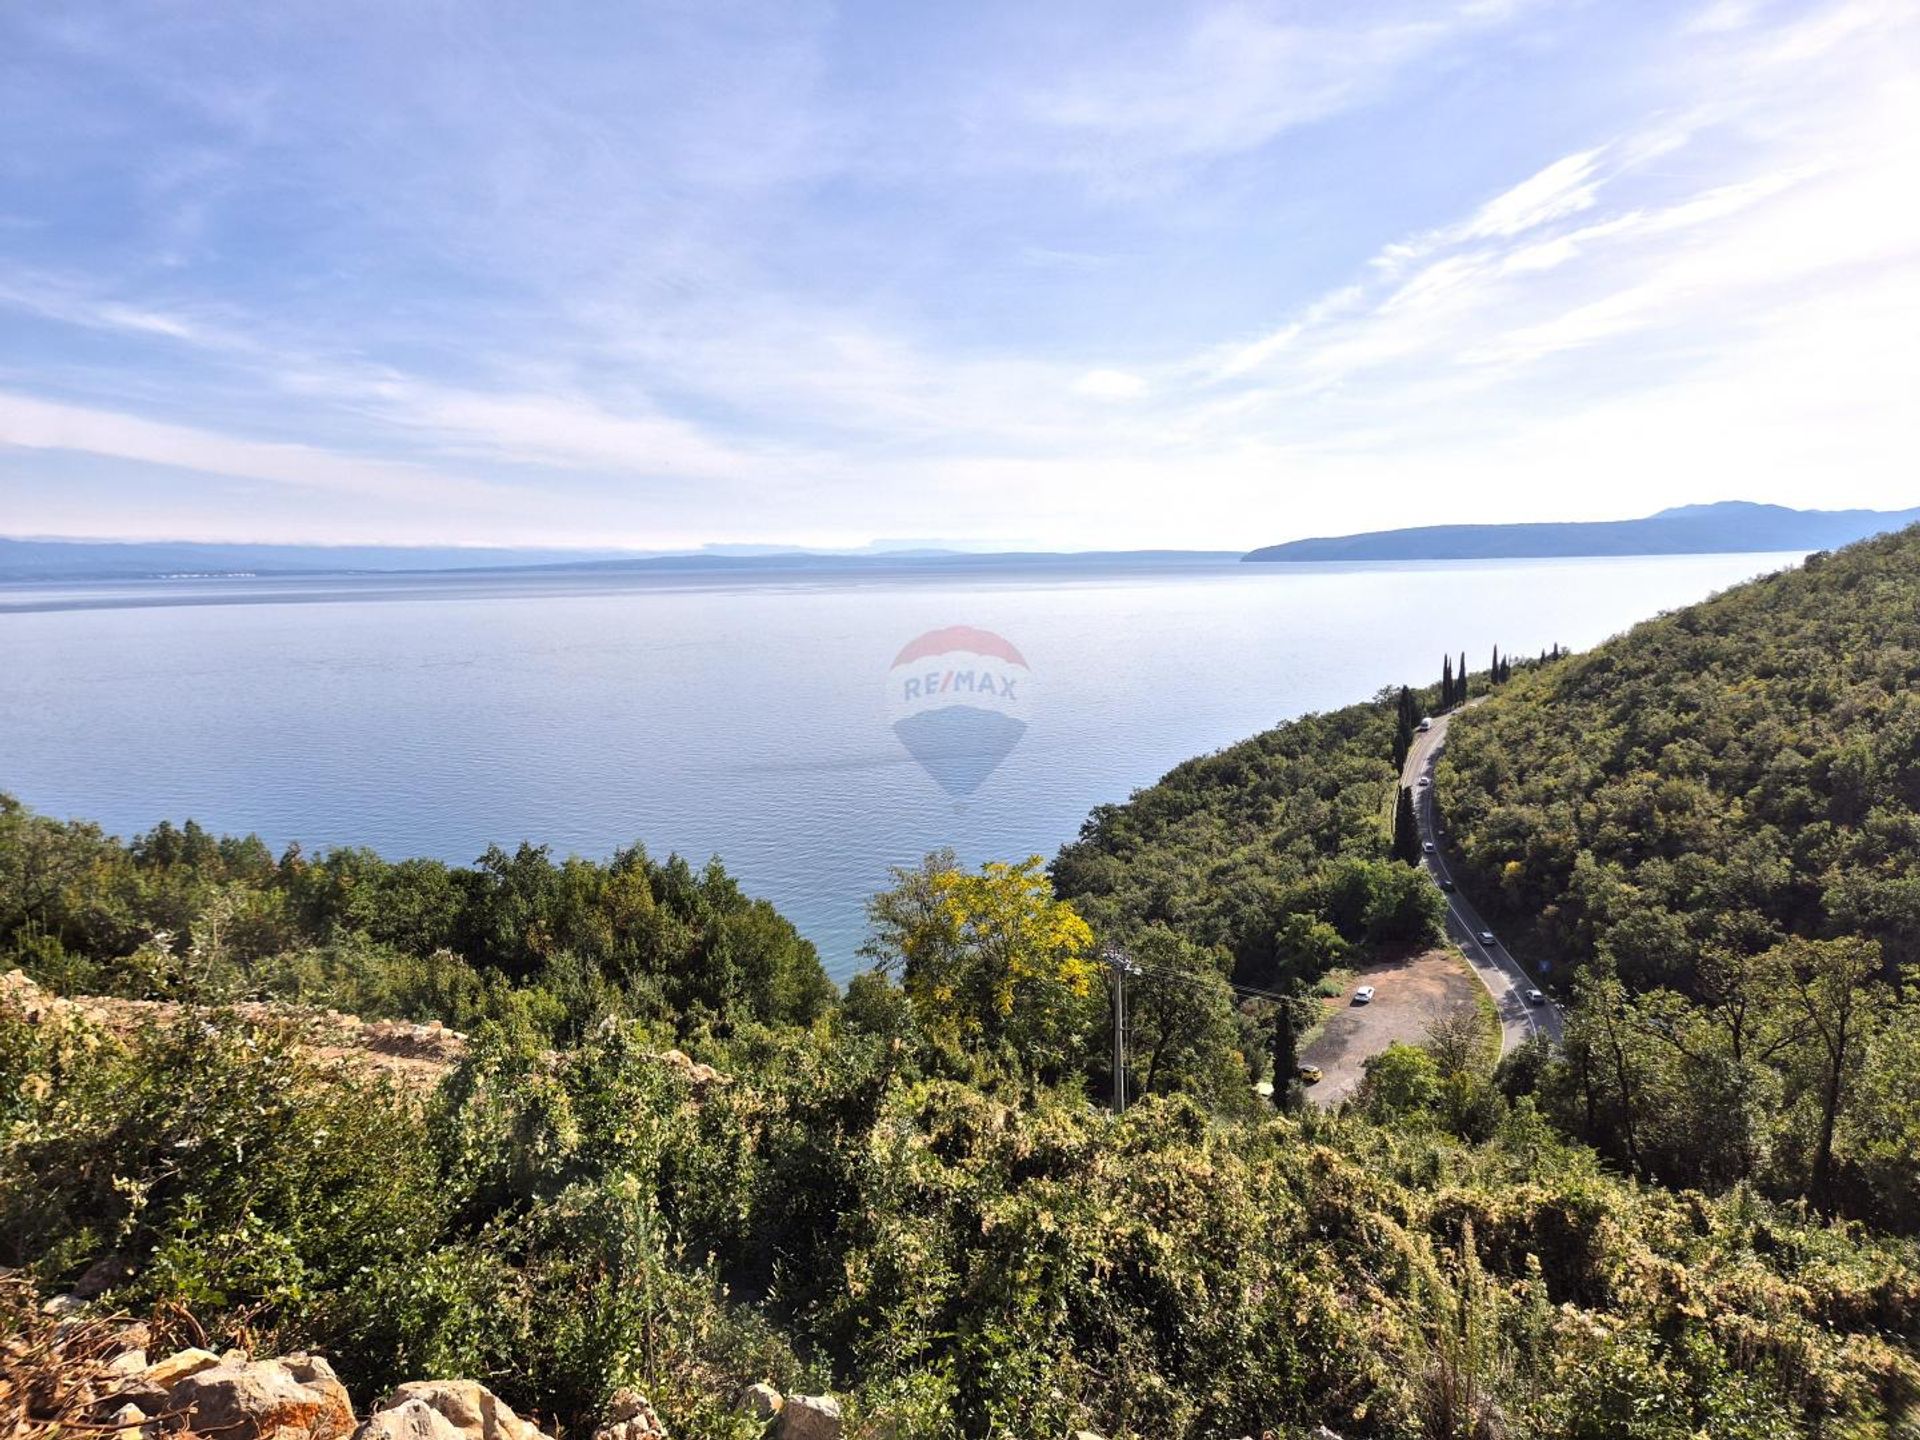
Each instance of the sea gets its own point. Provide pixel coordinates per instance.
(811, 728)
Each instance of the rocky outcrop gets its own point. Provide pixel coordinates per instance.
(414, 1055)
(72, 1373)
(760, 1402)
(163, 1375)
(698, 1072)
(630, 1417)
(413, 1420)
(811, 1417)
(296, 1397)
(470, 1410)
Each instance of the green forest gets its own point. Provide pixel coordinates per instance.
(1697, 1217)
(1710, 830)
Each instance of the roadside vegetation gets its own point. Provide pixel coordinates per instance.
(1696, 1219)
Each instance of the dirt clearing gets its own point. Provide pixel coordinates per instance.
(1410, 993)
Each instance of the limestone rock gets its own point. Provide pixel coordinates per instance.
(811, 1417)
(129, 1418)
(473, 1411)
(296, 1397)
(630, 1417)
(126, 1365)
(701, 1074)
(412, 1420)
(165, 1374)
(762, 1402)
(131, 1335)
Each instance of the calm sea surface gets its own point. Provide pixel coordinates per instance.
(750, 718)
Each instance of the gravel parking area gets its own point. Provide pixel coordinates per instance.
(1411, 992)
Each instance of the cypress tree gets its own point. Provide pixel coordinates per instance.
(1286, 1055)
(1406, 830)
(1446, 683)
(1461, 683)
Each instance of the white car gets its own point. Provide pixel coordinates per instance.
(1425, 781)
(1486, 937)
(1428, 847)
(1425, 725)
(1363, 996)
(1534, 997)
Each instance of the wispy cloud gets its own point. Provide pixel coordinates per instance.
(828, 276)
(41, 425)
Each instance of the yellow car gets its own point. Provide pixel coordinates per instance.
(1310, 1074)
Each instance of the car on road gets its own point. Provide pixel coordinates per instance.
(1425, 781)
(1486, 938)
(1309, 1074)
(1534, 997)
(1447, 885)
(1425, 725)
(1363, 996)
(1428, 847)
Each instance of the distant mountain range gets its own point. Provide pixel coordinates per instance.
(148, 560)
(81, 560)
(1731, 526)
(1727, 527)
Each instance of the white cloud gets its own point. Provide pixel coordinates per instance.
(1233, 81)
(36, 424)
(1110, 385)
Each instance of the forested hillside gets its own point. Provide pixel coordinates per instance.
(1274, 850)
(1707, 834)
(1713, 781)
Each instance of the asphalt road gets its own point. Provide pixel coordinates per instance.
(1498, 971)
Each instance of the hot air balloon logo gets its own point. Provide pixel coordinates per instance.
(959, 699)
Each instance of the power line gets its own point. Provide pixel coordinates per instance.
(1120, 965)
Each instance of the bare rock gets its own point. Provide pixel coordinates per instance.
(130, 1335)
(126, 1365)
(811, 1417)
(165, 1374)
(101, 1276)
(473, 1411)
(411, 1420)
(296, 1397)
(761, 1402)
(630, 1417)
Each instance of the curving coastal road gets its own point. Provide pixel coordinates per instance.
(1498, 971)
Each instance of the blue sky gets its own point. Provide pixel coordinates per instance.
(1077, 274)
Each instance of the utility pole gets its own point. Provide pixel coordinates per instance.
(1121, 967)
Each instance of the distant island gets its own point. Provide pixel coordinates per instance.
(26, 561)
(1729, 527)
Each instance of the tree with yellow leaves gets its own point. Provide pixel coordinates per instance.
(990, 960)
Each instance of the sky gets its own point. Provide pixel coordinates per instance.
(1085, 274)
